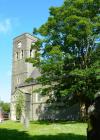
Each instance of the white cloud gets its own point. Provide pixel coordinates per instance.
(8, 24)
(5, 25)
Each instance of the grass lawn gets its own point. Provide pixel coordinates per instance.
(43, 131)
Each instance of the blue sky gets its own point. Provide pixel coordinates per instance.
(17, 17)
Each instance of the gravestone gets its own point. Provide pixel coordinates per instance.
(27, 110)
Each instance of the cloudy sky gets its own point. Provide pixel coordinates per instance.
(17, 17)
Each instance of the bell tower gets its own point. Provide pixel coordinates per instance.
(21, 70)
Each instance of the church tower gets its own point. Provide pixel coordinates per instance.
(21, 70)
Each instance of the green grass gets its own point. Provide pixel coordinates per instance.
(43, 131)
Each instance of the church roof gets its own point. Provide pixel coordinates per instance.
(25, 35)
(35, 73)
(26, 84)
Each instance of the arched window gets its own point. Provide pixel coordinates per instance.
(21, 54)
(16, 56)
(18, 81)
(38, 97)
(32, 53)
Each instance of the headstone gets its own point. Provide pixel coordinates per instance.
(27, 110)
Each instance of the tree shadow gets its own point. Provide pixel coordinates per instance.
(42, 122)
(57, 111)
(6, 134)
(48, 122)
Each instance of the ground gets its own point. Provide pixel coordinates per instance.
(43, 131)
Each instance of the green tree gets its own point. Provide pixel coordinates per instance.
(19, 105)
(5, 106)
(67, 51)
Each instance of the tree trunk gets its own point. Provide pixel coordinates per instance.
(82, 111)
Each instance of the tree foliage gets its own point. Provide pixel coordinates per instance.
(5, 106)
(69, 56)
(19, 105)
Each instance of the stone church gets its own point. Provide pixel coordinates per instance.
(35, 105)
(22, 70)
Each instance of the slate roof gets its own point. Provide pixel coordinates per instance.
(33, 75)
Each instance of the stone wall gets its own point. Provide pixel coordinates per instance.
(45, 111)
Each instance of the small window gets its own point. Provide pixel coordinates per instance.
(21, 54)
(18, 80)
(38, 97)
(19, 45)
(32, 52)
(16, 56)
